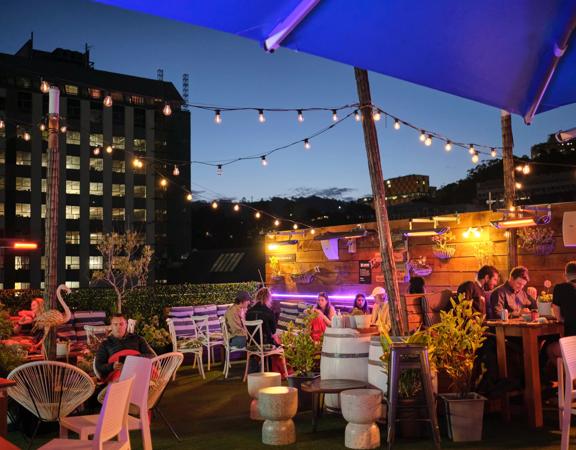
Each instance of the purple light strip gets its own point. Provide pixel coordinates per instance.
(314, 296)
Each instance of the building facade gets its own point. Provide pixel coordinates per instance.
(100, 192)
(407, 188)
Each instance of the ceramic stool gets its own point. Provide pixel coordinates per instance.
(277, 406)
(361, 408)
(257, 381)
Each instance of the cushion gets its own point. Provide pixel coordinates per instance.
(181, 311)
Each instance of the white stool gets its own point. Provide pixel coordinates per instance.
(361, 407)
(257, 381)
(278, 405)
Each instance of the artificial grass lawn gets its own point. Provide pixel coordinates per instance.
(212, 414)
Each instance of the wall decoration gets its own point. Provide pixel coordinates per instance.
(443, 249)
(539, 240)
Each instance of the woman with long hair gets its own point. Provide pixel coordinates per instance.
(360, 304)
(324, 312)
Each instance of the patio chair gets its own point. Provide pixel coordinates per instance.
(566, 392)
(131, 326)
(95, 334)
(209, 339)
(50, 389)
(227, 347)
(255, 346)
(184, 340)
(140, 369)
(112, 422)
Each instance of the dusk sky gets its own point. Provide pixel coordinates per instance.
(231, 71)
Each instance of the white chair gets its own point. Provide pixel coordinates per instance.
(50, 389)
(255, 346)
(227, 347)
(566, 392)
(134, 367)
(95, 334)
(186, 341)
(209, 339)
(131, 326)
(112, 422)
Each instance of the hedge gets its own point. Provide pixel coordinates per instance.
(147, 301)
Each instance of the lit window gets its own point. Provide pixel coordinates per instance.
(117, 213)
(96, 213)
(73, 237)
(73, 284)
(43, 184)
(140, 145)
(70, 89)
(44, 159)
(22, 210)
(72, 212)
(72, 262)
(96, 189)
(96, 140)
(95, 238)
(136, 100)
(23, 184)
(23, 158)
(43, 262)
(43, 211)
(21, 262)
(118, 166)
(118, 190)
(139, 191)
(96, 164)
(119, 142)
(96, 262)
(72, 187)
(72, 162)
(140, 215)
(21, 285)
(73, 137)
(2, 152)
(1, 209)
(2, 183)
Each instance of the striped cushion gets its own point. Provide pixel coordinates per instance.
(223, 308)
(82, 318)
(66, 331)
(284, 319)
(183, 326)
(212, 312)
(289, 307)
(181, 311)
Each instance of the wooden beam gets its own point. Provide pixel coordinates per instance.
(509, 181)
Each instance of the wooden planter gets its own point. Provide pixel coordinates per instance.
(444, 254)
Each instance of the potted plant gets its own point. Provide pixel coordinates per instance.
(302, 354)
(456, 340)
(443, 249)
(11, 356)
(157, 337)
(539, 240)
(545, 300)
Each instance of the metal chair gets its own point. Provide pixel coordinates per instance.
(50, 389)
(566, 392)
(95, 334)
(208, 338)
(255, 346)
(227, 347)
(184, 340)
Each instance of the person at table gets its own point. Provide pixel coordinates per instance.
(234, 319)
(511, 295)
(262, 310)
(381, 309)
(360, 305)
(324, 313)
(480, 289)
(113, 350)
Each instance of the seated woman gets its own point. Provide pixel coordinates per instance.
(325, 312)
(381, 310)
(360, 305)
(26, 317)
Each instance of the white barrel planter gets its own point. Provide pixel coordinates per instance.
(345, 357)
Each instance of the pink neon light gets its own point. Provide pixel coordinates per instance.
(314, 296)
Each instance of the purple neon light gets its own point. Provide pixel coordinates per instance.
(314, 296)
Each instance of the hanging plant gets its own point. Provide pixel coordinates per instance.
(539, 240)
(483, 252)
(443, 248)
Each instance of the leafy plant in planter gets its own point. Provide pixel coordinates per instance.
(456, 339)
(157, 337)
(539, 240)
(443, 248)
(6, 328)
(545, 300)
(11, 356)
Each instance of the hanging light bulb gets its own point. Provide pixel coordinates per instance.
(312, 231)
(109, 149)
(518, 168)
(376, 115)
(2, 124)
(307, 144)
(189, 197)
(163, 182)
(396, 124)
(422, 136)
(295, 226)
(471, 149)
(518, 185)
(257, 214)
(26, 136)
(217, 117)
(96, 151)
(475, 158)
(167, 110)
(176, 171)
(42, 127)
(526, 169)
(63, 129)
(448, 146)
(236, 207)
(44, 87)
(219, 170)
(263, 160)
(357, 116)
(334, 115)
(261, 117)
(107, 101)
(493, 153)
(136, 163)
(276, 223)
(300, 116)
(428, 141)
(214, 204)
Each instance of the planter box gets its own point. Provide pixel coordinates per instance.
(464, 417)
(545, 308)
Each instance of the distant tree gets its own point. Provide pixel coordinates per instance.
(126, 262)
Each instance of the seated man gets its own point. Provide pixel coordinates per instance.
(114, 349)
(511, 295)
(479, 290)
(234, 318)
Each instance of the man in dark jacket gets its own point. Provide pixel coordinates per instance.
(479, 290)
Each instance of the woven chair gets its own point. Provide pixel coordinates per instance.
(112, 422)
(255, 346)
(184, 340)
(209, 339)
(49, 389)
(227, 347)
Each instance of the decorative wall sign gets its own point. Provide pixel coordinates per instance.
(365, 272)
(291, 257)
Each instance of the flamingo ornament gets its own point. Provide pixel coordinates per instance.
(53, 317)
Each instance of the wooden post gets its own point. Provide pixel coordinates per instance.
(379, 194)
(52, 206)
(509, 182)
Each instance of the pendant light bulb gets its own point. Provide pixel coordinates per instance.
(276, 223)
(295, 226)
(107, 101)
(236, 207)
(214, 204)
(176, 171)
(471, 149)
(167, 110)
(357, 116)
(261, 117)
(109, 149)
(263, 160)
(334, 115)
(475, 158)
(448, 146)
(376, 115)
(217, 117)
(189, 197)
(42, 127)
(63, 129)
(307, 144)
(257, 214)
(300, 116)
(26, 136)
(96, 151)
(493, 153)
(396, 124)
(428, 141)
(422, 136)
(219, 170)
(44, 87)
(163, 182)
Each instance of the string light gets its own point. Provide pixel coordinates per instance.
(526, 169)
(167, 110)
(422, 136)
(96, 151)
(236, 207)
(307, 144)
(471, 149)
(176, 171)
(138, 164)
(189, 197)
(163, 182)
(26, 136)
(63, 129)
(376, 115)
(257, 214)
(214, 204)
(518, 185)
(357, 116)
(261, 117)
(42, 127)
(300, 116)
(475, 158)
(263, 160)
(2, 124)
(295, 226)
(217, 117)
(396, 124)
(109, 149)
(108, 101)
(334, 115)
(493, 152)
(448, 146)
(44, 87)
(276, 223)
(428, 141)
(219, 170)
(312, 231)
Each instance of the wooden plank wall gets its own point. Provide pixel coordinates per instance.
(342, 276)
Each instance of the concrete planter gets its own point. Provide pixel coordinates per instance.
(464, 416)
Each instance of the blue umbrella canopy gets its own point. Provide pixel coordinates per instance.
(513, 55)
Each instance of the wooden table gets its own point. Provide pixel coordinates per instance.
(529, 332)
(4, 385)
(320, 387)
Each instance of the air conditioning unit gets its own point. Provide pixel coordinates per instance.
(569, 228)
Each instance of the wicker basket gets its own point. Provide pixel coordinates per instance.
(444, 254)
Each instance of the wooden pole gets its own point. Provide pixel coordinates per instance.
(52, 207)
(509, 181)
(379, 194)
